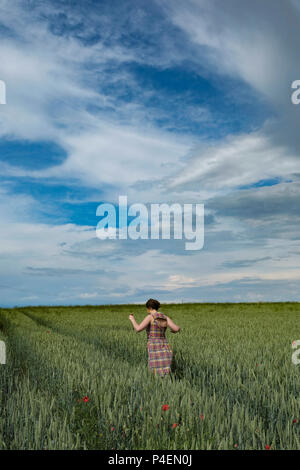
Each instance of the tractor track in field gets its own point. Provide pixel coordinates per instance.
(123, 353)
(182, 370)
(126, 354)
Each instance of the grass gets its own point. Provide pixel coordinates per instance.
(233, 384)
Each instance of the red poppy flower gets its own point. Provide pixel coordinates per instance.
(201, 416)
(175, 425)
(165, 407)
(85, 399)
(112, 429)
(267, 447)
(236, 446)
(295, 421)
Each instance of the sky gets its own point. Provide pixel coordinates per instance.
(163, 101)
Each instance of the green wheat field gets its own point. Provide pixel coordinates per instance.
(77, 378)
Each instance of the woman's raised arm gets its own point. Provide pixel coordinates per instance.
(142, 325)
(173, 327)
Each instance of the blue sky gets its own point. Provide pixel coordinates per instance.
(163, 102)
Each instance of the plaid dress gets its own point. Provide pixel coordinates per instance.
(160, 353)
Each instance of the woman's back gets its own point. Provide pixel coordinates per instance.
(155, 328)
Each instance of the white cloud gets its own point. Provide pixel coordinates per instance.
(88, 295)
(253, 46)
(213, 279)
(121, 156)
(52, 83)
(235, 162)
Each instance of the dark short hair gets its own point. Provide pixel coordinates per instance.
(152, 303)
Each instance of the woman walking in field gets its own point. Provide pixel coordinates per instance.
(159, 351)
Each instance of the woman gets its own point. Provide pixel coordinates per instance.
(159, 351)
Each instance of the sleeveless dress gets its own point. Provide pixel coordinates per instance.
(160, 353)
